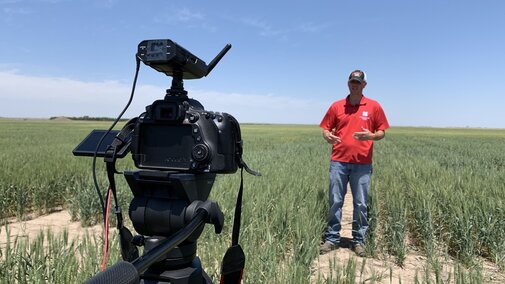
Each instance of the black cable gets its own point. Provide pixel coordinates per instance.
(108, 131)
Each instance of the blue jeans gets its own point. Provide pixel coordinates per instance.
(359, 177)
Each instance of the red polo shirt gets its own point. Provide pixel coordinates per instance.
(345, 119)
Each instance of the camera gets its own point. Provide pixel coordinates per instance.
(178, 134)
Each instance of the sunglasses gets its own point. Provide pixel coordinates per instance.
(355, 82)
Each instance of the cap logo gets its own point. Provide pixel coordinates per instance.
(357, 74)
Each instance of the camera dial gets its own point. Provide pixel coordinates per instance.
(201, 153)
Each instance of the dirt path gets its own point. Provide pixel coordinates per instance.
(56, 222)
(371, 270)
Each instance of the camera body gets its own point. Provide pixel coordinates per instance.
(177, 134)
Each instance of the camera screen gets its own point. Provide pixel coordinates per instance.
(156, 50)
(88, 146)
(166, 146)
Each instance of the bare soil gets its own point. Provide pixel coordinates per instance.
(55, 222)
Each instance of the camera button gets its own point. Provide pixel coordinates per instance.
(193, 118)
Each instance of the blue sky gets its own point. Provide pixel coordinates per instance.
(429, 63)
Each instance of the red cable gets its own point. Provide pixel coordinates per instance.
(106, 241)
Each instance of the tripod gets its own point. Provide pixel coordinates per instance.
(164, 203)
(184, 147)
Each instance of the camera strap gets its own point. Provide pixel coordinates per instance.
(250, 171)
(232, 267)
(128, 251)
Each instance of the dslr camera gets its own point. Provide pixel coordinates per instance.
(178, 134)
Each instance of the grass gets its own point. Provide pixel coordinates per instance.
(450, 185)
(440, 190)
(50, 258)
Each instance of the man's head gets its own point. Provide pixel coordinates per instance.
(357, 82)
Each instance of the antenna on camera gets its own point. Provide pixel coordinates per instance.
(216, 60)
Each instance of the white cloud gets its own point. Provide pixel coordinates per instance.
(188, 18)
(8, 14)
(3, 2)
(185, 15)
(31, 96)
(262, 108)
(264, 28)
(313, 28)
(267, 30)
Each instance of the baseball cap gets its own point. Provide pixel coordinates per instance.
(357, 75)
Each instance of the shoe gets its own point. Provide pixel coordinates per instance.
(327, 247)
(359, 249)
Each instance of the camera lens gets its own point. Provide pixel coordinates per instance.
(200, 153)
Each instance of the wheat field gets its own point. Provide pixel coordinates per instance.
(440, 191)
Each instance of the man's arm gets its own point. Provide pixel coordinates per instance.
(378, 135)
(368, 135)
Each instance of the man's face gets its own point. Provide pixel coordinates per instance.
(356, 87)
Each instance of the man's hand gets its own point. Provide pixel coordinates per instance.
(367, 135)
(363, 135)
(330, 137)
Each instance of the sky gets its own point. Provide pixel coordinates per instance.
(428, 63)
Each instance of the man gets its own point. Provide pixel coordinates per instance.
(351, 125)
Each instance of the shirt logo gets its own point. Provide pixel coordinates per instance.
(364, 115)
